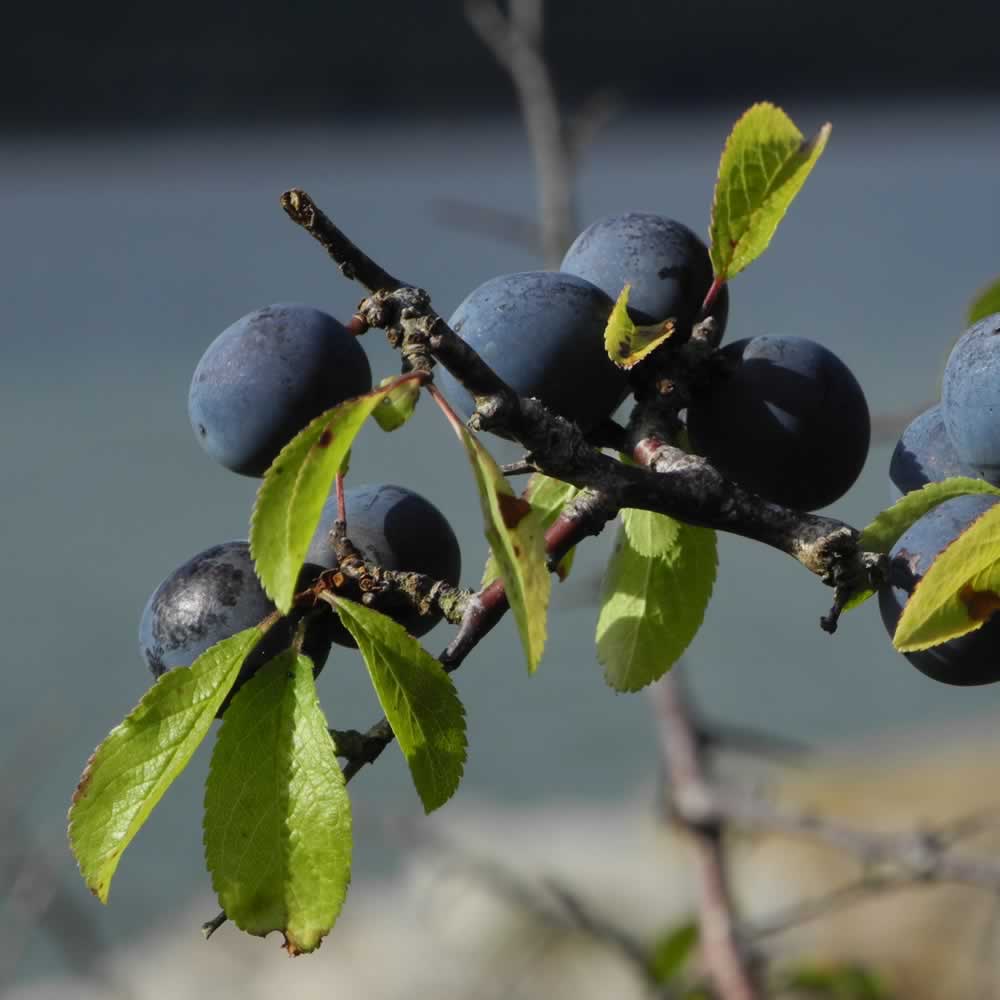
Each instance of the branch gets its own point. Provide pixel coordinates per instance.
(911, 856)
(728, 965)
(353, 264)
(687, 487)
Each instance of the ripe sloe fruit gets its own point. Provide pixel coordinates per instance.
(213, 596)
(542, 332)
(666, 264)
(970, 397)
(397, 529)
(787, 419)
(924, 454)
(265, 377)
(970, 659)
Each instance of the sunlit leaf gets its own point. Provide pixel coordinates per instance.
(277, 816)
(986, 303)
(960, 590)
(398, 406)
(764, 164)
(892, 523)
(129, 772)
(548, 496)
(626, 343)
(418, 698)
(653, 605)
(516, 535)
(291, 497)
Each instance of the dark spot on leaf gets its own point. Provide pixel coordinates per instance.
(517, 551)
(85, 779)
(325, 438)
(513, 510)
(981, 604)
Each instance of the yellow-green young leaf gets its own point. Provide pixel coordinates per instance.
(986, 303)
(397, 407)
(765, 162)
(651, 534)
(548, 496)
(653, 606)
(129, 772)
(626, 343)
(291, 497)
(277, 827)
(892, 523)
(960, 590)
(516, 535)
(418, 698)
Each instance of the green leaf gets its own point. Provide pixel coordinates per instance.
(418, 698)
(398, 406)
(277, 816)
(516, 535)
(291, 497)
(652, 534)
(892, 523)
(765, 162)
(671, 951)
(986, 303)
(626, 343)
(128, 773)
(653, 605)
(548, 496)
(960, 590)
(836, 982)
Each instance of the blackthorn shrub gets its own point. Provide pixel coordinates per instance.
(924, 454)
(666, 264)
(970, 397)
(266, 376)
(786, 418)
(213, 596)
(970, 659)
(397, 529)
(543, 333)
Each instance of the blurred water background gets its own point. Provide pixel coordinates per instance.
(125, 253)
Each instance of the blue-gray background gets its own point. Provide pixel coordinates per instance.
(125, 253)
